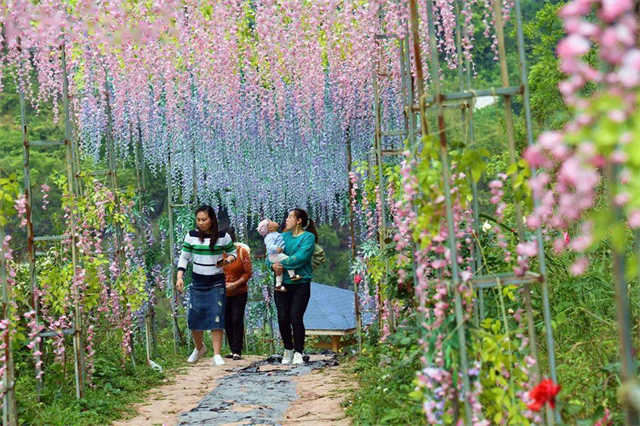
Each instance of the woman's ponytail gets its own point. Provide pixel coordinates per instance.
(311, 227)
(307, 224)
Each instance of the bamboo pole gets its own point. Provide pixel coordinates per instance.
(78, 347)
(356, 285)
(9, 403)
(31, 249)
(446, 174)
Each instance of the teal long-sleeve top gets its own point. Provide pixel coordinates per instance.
(300, 251)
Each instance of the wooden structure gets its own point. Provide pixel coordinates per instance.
(330, 317)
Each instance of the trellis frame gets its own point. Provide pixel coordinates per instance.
(72, 167)
(479, 282)
(178, 338)
(408, 133)
(73, 186)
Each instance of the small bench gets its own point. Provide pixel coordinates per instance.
(333, 339)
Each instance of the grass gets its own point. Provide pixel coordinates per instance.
(114, 392)
(385, 374)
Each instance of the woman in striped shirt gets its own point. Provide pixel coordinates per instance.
(206, 247)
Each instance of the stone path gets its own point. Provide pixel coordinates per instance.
(253, 391)
(259, 394)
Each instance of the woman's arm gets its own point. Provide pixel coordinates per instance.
(229, 249)
(302, 256)
(185, 257)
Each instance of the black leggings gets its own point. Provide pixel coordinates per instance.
(234, 322)
(291, 306)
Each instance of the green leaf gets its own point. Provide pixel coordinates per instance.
(618, 236)
(416, 394)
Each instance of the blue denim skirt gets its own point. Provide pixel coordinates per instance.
(206, 305)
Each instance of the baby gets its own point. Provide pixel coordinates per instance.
(275, 247)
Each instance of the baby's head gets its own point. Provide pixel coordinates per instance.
(266, 226)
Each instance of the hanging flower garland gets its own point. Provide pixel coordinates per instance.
(598, 146)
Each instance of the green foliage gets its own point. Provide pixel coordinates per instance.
(385, 373)
(117, 388)
(8, 193)
(542, 34)
(335, 271)
(498, 351)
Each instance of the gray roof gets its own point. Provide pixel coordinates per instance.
(330, 308)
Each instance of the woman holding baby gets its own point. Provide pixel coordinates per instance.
(299, 236)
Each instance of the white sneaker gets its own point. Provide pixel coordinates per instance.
(297, 359)
(287, 357)
(196, 355)
(218, 361)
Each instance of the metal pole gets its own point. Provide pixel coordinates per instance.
(504, 74)
(417, 59)
(446, 173)
(31, 250)
(143, 179)
(172, 244)
(381, 233)
(113, 183)
(353, 243)
(195, 169)
(475, 266)
(148, 318)
(541, 256)
(9, 403)
(113, 177)
(78, 347)
(623, 310)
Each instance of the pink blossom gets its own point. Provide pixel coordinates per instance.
(621, 199)
(558, 245)
(617, 116)
(576, 9)
(581, 243)
(533, 222)
(579, 266)
(528, 249)
(438, 264)
(629, 72)
(572, 46)
(634, 219)
(619, 157)
(536, 158)
(612, 9)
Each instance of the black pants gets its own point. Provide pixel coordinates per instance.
(291, 306)
(234, 322)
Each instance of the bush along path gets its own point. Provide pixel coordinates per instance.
(251, 391)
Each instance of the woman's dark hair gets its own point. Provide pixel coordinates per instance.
(214, 225)
(232, 233)
(307, 224)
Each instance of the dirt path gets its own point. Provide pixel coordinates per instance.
(183, 392)
(251, 391)
(320, 395)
